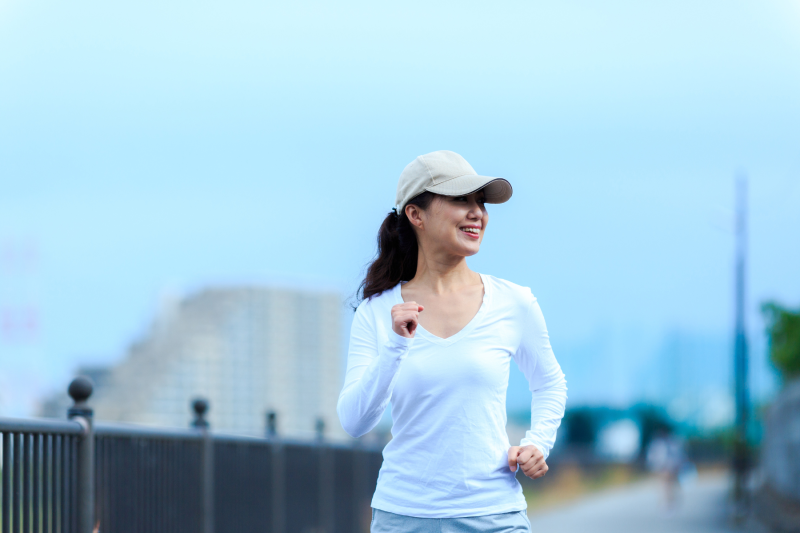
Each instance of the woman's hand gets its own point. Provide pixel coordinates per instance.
(405, 318)
(529, 458)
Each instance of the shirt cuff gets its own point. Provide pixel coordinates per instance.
(399, 340)
(528, 442)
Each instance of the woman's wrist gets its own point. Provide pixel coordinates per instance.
(399, 340)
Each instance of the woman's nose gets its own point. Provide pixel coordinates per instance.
(476, 210)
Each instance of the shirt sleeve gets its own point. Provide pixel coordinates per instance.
(546, 381)
(371, 373)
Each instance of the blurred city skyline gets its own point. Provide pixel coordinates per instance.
(149, 149)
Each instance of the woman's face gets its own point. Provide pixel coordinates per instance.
(453, 224)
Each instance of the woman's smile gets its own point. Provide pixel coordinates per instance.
(472, 231)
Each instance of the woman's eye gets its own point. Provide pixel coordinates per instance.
(464, 198)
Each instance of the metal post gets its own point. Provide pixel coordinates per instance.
(278, 504)
(272, 425)
(326, 474)
(200, 407)
(740, 449)
(278, 487)
(80, 389)
(326, 468)
(320, 429)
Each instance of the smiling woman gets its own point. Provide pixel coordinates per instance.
(437, 340)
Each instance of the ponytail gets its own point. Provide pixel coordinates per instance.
(396, 259)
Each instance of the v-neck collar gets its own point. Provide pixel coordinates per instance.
(487, 292)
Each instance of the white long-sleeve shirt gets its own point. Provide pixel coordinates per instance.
(448, 456)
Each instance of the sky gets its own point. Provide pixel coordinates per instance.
(150, 148)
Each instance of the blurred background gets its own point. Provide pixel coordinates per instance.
(190, 193)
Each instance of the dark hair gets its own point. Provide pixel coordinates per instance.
(396, 259)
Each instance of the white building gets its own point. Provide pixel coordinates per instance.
(247, 350)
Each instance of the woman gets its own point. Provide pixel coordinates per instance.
(437, 340)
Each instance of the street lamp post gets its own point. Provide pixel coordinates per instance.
(740, 448)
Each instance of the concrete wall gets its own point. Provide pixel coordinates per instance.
(780, 456)
(778, 499)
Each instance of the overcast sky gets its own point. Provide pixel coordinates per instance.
(163, 146)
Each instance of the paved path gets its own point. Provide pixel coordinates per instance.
(639, 507)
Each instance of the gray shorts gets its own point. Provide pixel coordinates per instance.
(513, 522)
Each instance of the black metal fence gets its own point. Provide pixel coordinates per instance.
(77, 477)
(38, 476)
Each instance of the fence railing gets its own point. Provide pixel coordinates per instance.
(74, 476)
(39, 484)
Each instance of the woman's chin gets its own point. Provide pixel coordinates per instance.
(467, 251)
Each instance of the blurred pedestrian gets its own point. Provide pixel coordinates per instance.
(437, 339)
(666, 455)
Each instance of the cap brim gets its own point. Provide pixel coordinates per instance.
(498, 190)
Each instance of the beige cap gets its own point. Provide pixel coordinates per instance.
(447, 173)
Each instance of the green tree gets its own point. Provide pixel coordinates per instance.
(783, 332)
(581, 426)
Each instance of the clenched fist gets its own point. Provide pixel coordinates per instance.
(405, 318)
(529, 458)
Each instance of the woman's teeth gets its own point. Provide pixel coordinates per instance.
(471, 230)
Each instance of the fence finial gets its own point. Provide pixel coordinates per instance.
(320, 428)
(200, 408)
(272, 424)
(79, 390)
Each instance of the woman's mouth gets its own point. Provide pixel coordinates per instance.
(474, 233)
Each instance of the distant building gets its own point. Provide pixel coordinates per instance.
(247, 350)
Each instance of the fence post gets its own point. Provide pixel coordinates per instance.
(278, 486)
(278, 503)
(200, 407)
(326, 458)
(80, 389)
(272, 425)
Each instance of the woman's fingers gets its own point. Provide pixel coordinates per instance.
(537, 470)
(529, 458)
(529, 452)
(405, 318)
(513, 453)
(413, 317)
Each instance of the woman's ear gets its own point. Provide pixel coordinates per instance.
(414, 215)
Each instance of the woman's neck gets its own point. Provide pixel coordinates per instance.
(441, 278)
